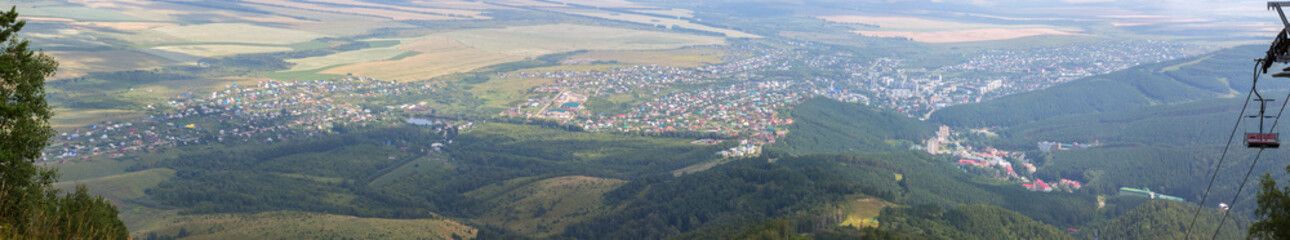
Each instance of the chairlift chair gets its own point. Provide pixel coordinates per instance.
(1258, 125)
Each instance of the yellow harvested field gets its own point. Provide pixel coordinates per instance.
(333, 24)
(454, 4)
(462, 51)
(342, 58)
(675, 12)
(971, 35)
(527, 3)
(942, 31)
(545, 39)
(304, 225)
(370, 12)
(45, 19)
(911, 23)
(459, 12)
(658, 21)
(78, 63)
(216, 50)
(606, 3)
(124, 26)
(236, 33)
(111, 4)
(425, 65)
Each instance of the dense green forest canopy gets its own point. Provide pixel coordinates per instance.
(1223, 73)
(823, 125)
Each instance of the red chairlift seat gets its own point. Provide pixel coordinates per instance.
(1258, 132)
(1262, 140)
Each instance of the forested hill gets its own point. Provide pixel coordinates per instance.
(1223, 73)
(826, 126)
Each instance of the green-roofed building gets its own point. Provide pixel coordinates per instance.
(1147, 193)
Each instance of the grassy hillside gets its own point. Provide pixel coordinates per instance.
(1223, 73)
(303, 225)
(544, 208)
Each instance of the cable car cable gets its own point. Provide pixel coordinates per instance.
(1223, 157)
(1248, 172)
(1238, 194)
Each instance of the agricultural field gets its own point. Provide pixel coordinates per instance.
(437, 57)
(538, 40)
(943, 31)
(675, 12)
(219, 50)
(74, 64)
(79, 13)
(235, 33)
(973, 35)
(343, 58)
(461, 51)
(686, 57)
(328, 23)
(382, 12)
(459, 13)
(606, 3)
(547, 206)
(651, 20)
(283, 224)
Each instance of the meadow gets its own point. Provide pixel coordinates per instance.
(284, 224)
(863, 212)
(547, 206)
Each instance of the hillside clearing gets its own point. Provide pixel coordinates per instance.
(118, 188)
(544, 208)
(301, 225)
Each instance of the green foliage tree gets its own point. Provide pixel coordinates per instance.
(1273, 211)
(29, 206)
